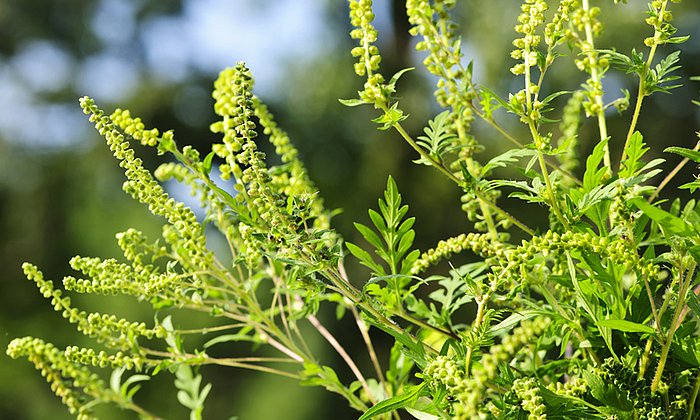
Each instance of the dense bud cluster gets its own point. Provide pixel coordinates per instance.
(141, 185)
(70, 381)
(444, 372)
(361, 17)
(135, 128)
(88, 356)
(478, 243)
(511, 345)
(529, 21)
(529, 393)
(646, 404)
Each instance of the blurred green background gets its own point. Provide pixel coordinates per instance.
(60, 190)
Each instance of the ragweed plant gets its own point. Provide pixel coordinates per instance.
(593, 315)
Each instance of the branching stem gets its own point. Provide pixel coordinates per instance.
(641, 91)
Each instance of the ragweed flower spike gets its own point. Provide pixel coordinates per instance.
(367, 54)
(141, 185)
(70, 381)
(431, 21)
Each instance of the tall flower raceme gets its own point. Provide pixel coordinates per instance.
(590, 316)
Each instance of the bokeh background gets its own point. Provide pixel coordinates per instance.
(60, 190)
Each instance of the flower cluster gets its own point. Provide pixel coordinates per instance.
(557, 30)
(136, 247)
(109, 277)
(69, 380)
(619, 251)
(135, 128)
(361, 17)
(431, 21)
(586, 27)
(108, 329)
(573, 387)
(269, 213)
(291, 178)
(479, 243)
(444, 372)
(511, 345)
(529, 393)
(529, 21)
(569, 126)
(141, 185)
(660, 19)
(88, 356)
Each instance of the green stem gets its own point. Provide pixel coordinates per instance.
(420, 323)
(671, 175)
(545, 174)
(682, 291)
(481, 305)
(693, 398)
(646, 358)
(596, 77)
(641, 92)
(550, 190)
(343, 354)
(537, 138)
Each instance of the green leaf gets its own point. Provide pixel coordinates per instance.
(396, 76)
(408, 261)
(672, 224)
(391, 117)
(677, 39)
(695, 252)
(377, 220)
(632, 64)
(634, 152)
(206, 163)
(225, 338)
(502, 160)
(694, 303)
(166, 144)
(687, 350)
(626, 326)
(686, 153)
(365, 258)
(394, 403)
(594, 174)
(397, 235)
(595, 196)
(421, 415)
(656, 79)
(606, 393)
(554, 95)
(369, 235)
(439, 138)
(510, 322)
(352, 102)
